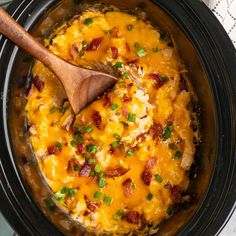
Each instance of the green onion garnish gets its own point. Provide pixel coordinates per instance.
(92, 148)
(131, 117)
(88, 21)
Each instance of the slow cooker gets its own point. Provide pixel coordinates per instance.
(210, 59)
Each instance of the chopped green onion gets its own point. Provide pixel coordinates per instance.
(116, 144)
(53, 109)
(76, 168)
(167, 133)
(71, 192)
(107, 200)
(92, 173)
(164, 78)
(79, 138)
(114, 106)
(172, 146)
(170, 211)
(92, 148)
(79, 128)
(130, 27)
(129, 153)
(84, 155)
(131, 117)
(177, 155)
(155, 49)
(60, 195)
(120, 213)
(73, 143)
(85, 44)
(88, 129)
(63, 110)
(124, 75)
(141, 52)
(117, 136)
(88, 21)
(101, 182)
(100, 174)
(81, 53)
(49, 203)
(158, 178)
(97, 168)
(90, 161)
(149, 196)
(118, 64)
(58, 145)
(97, 194)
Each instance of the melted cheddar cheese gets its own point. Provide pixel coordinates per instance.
(122, 162)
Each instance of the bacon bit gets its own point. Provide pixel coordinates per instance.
(94, 44)
(73, 163)
(125, 111)
(143, 117)
(156, 131)
(107, 100)
(116, 171)
(130, 85)
(157, 78)
(115, 32)
(127, 47)
(143, 220)
(114, 52)
(167, 185)
(132, 217)
(141, 138)
(151, 163)
(112, 151)
(132, 62)
(176, 194)
(92, 206)
(127, 187)
(97, 119)
(146, 176)
(38, 83)
(53, 150)
(73, 51)
(85, 170)
(126, 98)
(86, 213)
(80, 148)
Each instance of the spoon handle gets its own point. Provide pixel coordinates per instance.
(16, 33)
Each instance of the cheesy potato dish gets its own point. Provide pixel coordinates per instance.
(121, 165)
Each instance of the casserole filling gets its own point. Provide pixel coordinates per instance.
(122, 163)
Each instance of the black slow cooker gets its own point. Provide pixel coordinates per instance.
(210, 59)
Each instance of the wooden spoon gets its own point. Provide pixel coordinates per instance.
(81, 85)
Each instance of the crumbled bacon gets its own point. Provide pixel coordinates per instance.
(92, 206)
(125, 98)
(132, 62)
(146, 176)
(72, 165)
(127, 187)
(38, 83)
(80, 148)
(125, 111)
(115, 171)
(86, 213)
(53, 150)
(97, 119)
(114, 52)
(85, 170)
(132, 217)
(115, 32)
(151, 163)
(127, 47)
(107, 100)
(176, 194)
(158, 82)
(94, 44)
(141, 138)
(156, 131)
